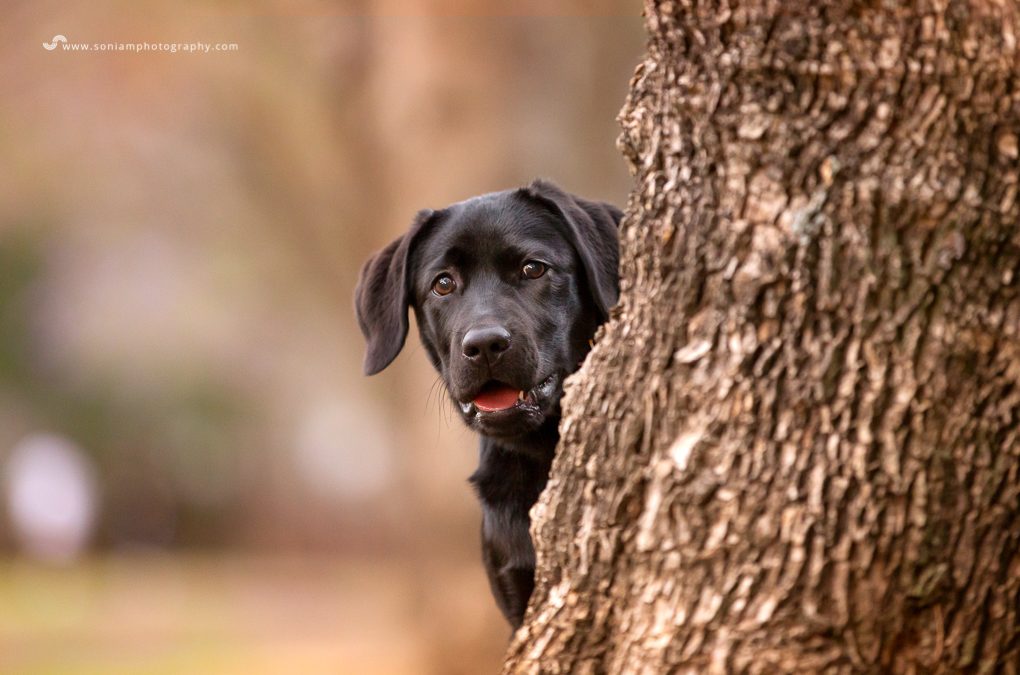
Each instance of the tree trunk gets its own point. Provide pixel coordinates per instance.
(795, 447)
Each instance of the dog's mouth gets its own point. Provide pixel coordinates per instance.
(495, 397)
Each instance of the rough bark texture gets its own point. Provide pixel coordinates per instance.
(795, 448)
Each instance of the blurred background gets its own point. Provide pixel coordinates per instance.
(194, 474)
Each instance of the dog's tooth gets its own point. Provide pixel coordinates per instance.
(520, 395)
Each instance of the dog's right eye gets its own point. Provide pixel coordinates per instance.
(444, 285)
(533, 269)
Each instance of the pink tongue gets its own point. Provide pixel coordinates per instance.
(496, 398)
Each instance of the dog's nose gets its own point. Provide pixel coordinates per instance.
(487, 343)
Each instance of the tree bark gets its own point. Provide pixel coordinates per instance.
(795, 447)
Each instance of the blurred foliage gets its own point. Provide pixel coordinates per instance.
(189, 425)
(19, 266)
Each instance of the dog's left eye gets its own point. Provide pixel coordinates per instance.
(444, 285)
(533, 269)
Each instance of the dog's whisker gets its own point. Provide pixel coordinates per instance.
(450, 411)
(432, 390)
(443, 410)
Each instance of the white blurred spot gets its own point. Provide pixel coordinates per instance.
(339, 451)
(51, 497)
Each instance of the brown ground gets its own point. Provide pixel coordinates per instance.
(219, 614)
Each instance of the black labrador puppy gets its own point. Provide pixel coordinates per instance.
(507, 289)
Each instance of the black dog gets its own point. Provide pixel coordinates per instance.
(507, 289)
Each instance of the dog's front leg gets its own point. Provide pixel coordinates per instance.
(511, 583)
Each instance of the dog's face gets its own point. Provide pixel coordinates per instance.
(501, 310)
(507, 290)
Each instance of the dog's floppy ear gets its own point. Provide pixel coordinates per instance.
(592, 228)
(382, 298)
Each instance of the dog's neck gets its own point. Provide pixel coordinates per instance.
(516, 469)
(538, 445)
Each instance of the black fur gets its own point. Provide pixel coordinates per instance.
(533, 332)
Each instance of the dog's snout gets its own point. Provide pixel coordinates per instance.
(486, 343)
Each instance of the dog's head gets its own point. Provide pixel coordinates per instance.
(507, 289)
